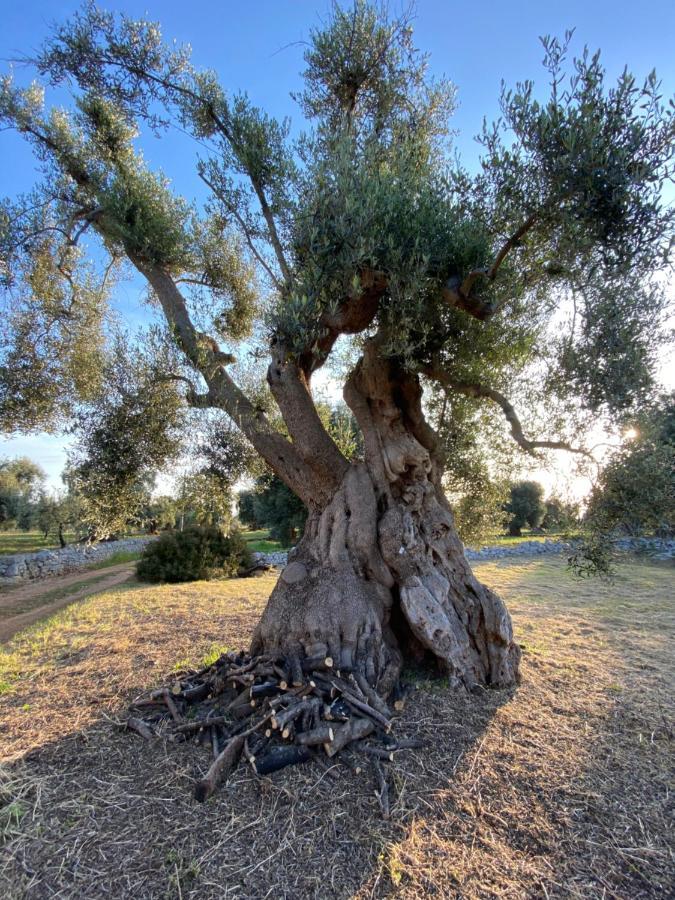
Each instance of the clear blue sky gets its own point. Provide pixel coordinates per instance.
(257, 46)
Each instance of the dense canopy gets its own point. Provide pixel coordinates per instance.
(538, 264)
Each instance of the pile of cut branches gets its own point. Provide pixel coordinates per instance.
(273, 711)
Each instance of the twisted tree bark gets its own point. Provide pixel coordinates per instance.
(380, 573)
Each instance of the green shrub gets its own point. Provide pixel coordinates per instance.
(193, 554)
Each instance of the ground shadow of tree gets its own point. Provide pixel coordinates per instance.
(116, 815)
(556, 789)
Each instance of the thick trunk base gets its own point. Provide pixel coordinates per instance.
(380, 571)
(372, 584)
(334, 598)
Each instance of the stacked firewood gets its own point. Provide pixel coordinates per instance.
(274, 712)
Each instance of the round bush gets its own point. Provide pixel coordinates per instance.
(192, 555)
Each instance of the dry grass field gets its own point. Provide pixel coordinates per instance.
(561, 788)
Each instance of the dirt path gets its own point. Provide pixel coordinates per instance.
(24, 605)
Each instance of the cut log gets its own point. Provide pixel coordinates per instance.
(144, 704)
(377, 752)
(286, 716)
(198, 724)
(322, 734)
(220, 768)
(267, 689)
(280, 757)
(173, 709)
(247, 667)
(242, 699)
(283, 677)
(295, 668)
(197, 693)
(317, 663)
(372, 697)
(248, 754)
(367, 710)
(349, 761)
(350, 731)
(140, 727)
(410, 744)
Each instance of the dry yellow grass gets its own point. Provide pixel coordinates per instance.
(561, 788)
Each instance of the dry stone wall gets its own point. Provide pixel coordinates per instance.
(78, 557)
(654, 548)
(74, 558)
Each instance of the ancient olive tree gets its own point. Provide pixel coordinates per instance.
(21, 482)
(451, 284)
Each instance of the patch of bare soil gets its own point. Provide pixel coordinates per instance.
(561, 788)
(23, 606)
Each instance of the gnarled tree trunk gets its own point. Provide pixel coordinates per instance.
(380, 573)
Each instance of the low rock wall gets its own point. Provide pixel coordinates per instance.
(77, 557)
(523, 548)
(74, 558)
(655, 548)
(273, 559)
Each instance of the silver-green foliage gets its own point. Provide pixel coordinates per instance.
(539, 267)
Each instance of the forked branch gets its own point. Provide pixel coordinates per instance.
(356, 312)
(491, 273)
(458, 293)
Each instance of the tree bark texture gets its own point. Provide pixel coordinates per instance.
(379, 575)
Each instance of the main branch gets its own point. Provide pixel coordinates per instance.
(475, 389)
(295, 463)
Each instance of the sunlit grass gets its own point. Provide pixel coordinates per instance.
(28, 542)
(636, 586)
(500, 539)
(103, 618)
(259, 542)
